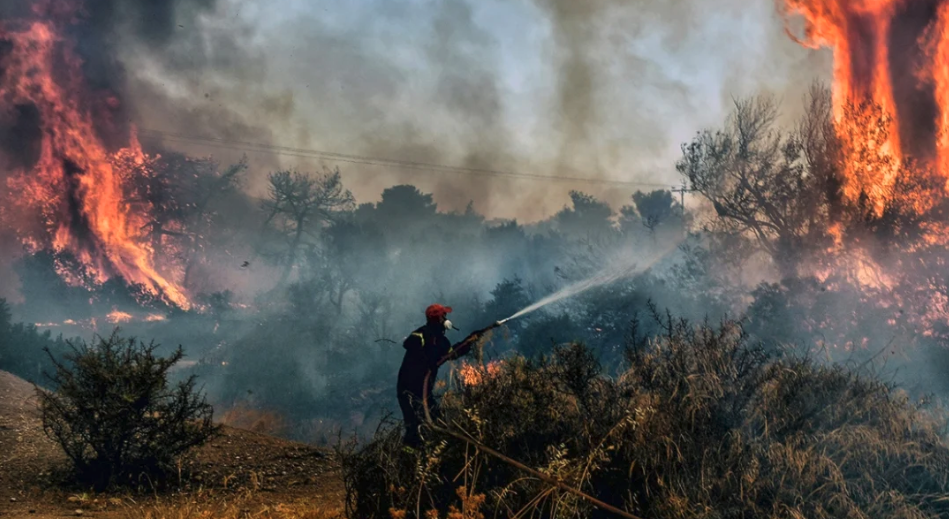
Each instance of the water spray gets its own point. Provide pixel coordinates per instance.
(604, 278)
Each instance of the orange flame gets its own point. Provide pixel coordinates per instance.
(472, 375)
(893, 54)
(75, 185)
(939, 50)
(858, 31)
(118, 316)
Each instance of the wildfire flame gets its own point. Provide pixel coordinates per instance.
(118, 316)
(472, 375)
(895, 55)
(75, 186)
(939, 49)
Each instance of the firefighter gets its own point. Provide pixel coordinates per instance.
(425, 350)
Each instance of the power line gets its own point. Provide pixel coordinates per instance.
(377, 161)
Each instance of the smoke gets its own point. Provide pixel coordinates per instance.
(575, 31)
(121, 46)
(100, 29)
(634, 79)
(599, 90)
(915, 99)
(465, 88)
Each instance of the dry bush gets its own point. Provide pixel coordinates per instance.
(701, 424)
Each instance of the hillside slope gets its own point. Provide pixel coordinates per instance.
(238, 473)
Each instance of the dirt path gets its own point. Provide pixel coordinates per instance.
(239, 474)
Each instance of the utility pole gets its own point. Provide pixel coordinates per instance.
(682, 191)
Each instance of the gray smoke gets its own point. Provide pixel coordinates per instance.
(575, 31)
(597, 89)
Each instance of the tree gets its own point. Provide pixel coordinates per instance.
(656, 209)
(764, 183)
(586, 218)
(176, 194)
(298, 208)
(334, 268)
(827, 187)
(116, 415)
(6, 317)
(207, 189)
(630, 223)
(507, 298)
(404, 211)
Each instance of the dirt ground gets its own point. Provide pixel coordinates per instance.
(239, 474)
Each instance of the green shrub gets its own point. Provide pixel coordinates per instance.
(700, 424)
(115, 414)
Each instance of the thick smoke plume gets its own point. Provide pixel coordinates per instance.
(102, 31)
(575, 31)
(599, 90)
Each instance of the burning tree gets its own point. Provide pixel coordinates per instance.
(850, 205)
(812, 197)
(779, 189)
(177, 193)
(890, 52)
(71, 193)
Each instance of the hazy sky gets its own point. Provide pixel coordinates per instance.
(604, 89)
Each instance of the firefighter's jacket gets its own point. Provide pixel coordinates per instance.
(424, 348)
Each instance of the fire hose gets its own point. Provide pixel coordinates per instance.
(466, 344)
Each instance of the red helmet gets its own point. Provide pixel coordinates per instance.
(436, 312)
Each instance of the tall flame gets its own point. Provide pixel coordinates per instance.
(858, 32)
(939, 49)
(895, 55)
(74, 185)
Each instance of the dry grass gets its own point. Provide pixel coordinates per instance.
(235, 511)
(700, 425)
(244, 416)
(247, 505)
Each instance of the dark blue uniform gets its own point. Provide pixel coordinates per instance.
(424, 348)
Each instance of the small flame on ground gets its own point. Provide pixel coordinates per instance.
(472, 375)
(114, 317)
(118, 316)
